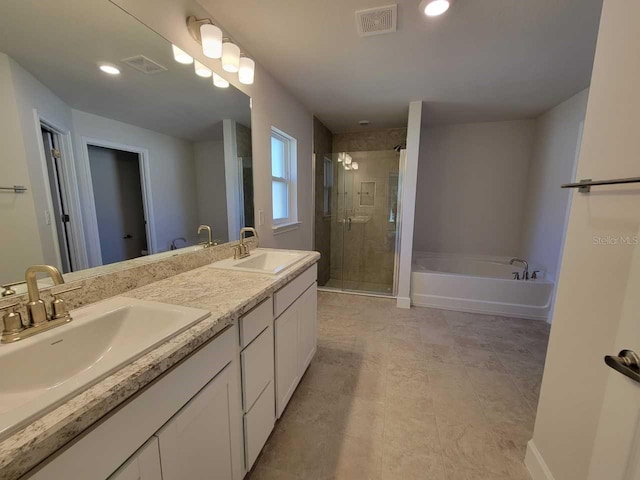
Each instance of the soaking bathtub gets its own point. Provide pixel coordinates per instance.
(478, 285)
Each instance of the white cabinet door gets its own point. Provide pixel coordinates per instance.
(143, 465)
(307, 311)
(199, 443)
(287, 355)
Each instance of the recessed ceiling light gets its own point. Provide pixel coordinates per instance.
(110, 69)
(433, 8)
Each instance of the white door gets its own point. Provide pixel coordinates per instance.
(198, 442)
(143, 465)
(308, 308)
(287, 355)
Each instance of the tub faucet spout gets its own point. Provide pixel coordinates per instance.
(525, 271)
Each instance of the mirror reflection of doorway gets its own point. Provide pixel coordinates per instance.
(119, 204)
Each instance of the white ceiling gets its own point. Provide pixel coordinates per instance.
(61, 41)
(483, 60)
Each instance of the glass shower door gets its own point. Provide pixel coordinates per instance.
(364, 223)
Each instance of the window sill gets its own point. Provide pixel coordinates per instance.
(285, 227)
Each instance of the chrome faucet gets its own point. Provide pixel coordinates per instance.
(209, 242)
(525, 272)
(242, 250)
(38, 320)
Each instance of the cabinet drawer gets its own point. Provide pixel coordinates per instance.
(255, 322)
(288, 294)
(257, 367)
(258, 424)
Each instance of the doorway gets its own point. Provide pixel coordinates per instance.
(59, 196)
(118, 195)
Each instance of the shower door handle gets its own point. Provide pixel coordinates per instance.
(349, 223)
(627, 363)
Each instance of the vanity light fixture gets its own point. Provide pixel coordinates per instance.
(347, 159)
(201, 70)
(109, 69)
(341, 157)
(220, 82)
(211, 40)
(354, 165)
(230, 57)
(434, 8)
(246, 71)
(181, 56)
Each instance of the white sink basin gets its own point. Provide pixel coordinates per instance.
(262, 261)
(42, 371)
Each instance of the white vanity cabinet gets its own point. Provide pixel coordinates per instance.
(295, 306)
(191, 417)
(210, 415)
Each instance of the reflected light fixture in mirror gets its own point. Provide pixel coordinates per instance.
(434, 8)
(230, 57)
(180, 56)
(211, 40)
(201, 70)
(347, 159)
(354, 165)
(220, 82)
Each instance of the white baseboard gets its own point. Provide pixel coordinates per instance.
(403, 302)
(536, 464)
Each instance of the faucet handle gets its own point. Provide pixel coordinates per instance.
(58, 306)
(534, 275)
(7, 289)
(12, 323)
(516, 275)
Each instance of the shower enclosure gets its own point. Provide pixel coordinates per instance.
(360, 210)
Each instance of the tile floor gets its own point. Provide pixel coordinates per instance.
(410, 394)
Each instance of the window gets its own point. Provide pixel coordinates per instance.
(283, 179)
(328, 184)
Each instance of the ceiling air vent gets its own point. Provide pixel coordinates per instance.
(376, 21)
(144, 64)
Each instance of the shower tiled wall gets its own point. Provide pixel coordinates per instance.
(322, 147)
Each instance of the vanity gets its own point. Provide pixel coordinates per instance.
(199, 404)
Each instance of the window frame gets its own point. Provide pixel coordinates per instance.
(289, 179)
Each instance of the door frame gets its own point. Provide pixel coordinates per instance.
(77, 243)
(93, 235)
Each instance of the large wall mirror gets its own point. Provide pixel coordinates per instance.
(114, 163)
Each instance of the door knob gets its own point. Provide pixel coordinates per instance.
(627, 363)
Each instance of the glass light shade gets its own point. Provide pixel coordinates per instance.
(340, 157)
(211, 40)
(354, 165)
(230, 57)
(347, 159)
(181, 56)
(347, 167)
(433, 8)
(220, 82)
(247, 70)
(201, 70)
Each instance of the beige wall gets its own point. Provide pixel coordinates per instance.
(552, 163)
(471, 187)
(368, 141)
(273, 105)
(593, 278)
(20, 234)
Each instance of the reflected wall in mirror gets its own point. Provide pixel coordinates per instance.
(123, 151)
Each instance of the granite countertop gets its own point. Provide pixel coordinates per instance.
(227, 294)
